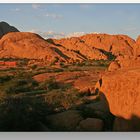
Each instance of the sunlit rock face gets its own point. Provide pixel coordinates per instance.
(121, 89)
(26, 45)
(75, 49)
(104, 43)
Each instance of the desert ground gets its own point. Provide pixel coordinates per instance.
(86, 83)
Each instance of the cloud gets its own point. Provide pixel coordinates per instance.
(36, 6)
(78, 34)
(34, 31)
(49, 34)
(53, 15)
(75, 34)
(58, 35)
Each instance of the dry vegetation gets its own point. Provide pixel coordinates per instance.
(25, 102)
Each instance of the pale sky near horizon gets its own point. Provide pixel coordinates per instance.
(69, 18)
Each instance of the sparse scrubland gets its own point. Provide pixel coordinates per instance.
(25, 102)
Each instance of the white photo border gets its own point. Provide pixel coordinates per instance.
(69, 135)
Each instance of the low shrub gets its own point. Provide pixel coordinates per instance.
(16, 86)
(22, 113)
(60, 98)
(49, 84)
(33, 67)
(5, 78)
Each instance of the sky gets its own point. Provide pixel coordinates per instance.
(73, 19)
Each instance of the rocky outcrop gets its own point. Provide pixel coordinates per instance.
(65, 121)
(124, 62)
(74, 49)
(113, 66)
(30, 46)
(121, 124)
(98, 46)
(6, 28)
(120, 92)
(77, 45)
(91, 124)
(121, 89)
(8, 63)
(132, 62)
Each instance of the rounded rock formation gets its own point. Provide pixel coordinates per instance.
(65, 121)
(91, 124)
(97, 46)
(113, 66)
(122, 92)
(30, 46)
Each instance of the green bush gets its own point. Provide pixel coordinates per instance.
(60, 98)
(33, 67)
(19, 85)
(56, 59)
(58, 70)
(5, 78)
(49, 84)
(103, 63)
(23, 61)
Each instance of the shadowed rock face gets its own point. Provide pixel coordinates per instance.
(64, 121)
(91, 124)
(6, 28)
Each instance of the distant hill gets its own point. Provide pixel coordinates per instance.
(6, 28)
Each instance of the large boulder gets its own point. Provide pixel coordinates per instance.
(6, 28)
(122, 92)
(124, 62)
(65, 121)
(100, 105)
(113, 66)
(98, 109)
(121, 124)
(39, 126)
(91, 124)
(127, 62)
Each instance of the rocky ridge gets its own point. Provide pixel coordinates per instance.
(69, 50)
